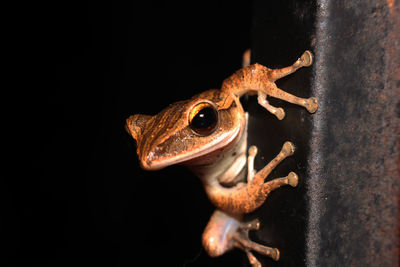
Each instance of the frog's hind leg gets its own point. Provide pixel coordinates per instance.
(217, 237)
(242, 241)
(311, 104)
(225, 232)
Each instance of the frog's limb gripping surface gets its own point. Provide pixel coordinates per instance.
(305, 60)
(311, 104)
(262, 100)
(241, 240)
(286, 151)
(291, 179)
(245, 198)
(224, 232)
(260, 79)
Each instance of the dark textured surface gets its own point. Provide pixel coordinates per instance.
(354, 178)
(282, 31)
(345, 210)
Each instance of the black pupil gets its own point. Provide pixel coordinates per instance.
(204, 121)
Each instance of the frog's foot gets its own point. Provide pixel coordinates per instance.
(246, 197)
(311, 104)
(305, 60)
(286, 151)
(262, 100)
(291, 179)
(242, 241)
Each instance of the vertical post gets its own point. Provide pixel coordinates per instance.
(345, 211)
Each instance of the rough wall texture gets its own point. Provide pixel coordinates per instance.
(354, 171)
(345, 211)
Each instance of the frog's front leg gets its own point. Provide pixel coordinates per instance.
(306, 59)
(260, 79)
(262, 100)
(244, 198)
(225, 231)
(242, 241)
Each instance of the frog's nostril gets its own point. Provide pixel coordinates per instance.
(135, 125)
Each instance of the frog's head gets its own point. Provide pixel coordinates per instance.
(185, 130)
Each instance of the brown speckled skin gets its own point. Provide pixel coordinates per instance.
(219, 157)
(246, 198)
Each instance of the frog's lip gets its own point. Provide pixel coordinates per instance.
(151, 163)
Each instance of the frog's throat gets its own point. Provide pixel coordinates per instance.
(225, 166)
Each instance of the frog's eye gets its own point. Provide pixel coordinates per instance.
(203, 118)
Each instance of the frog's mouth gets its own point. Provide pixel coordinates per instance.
(180, 153)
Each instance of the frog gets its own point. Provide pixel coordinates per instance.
(208, 134)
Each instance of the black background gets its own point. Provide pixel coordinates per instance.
(78, 195)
